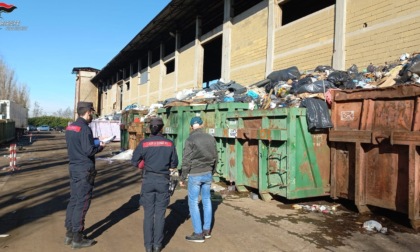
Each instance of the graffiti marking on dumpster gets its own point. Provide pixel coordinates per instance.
(212, 131)
(347, 115)
(232, 133)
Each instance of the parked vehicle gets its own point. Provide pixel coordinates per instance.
(12, 111)
(31, 128)
(59, 128)
(43, 128)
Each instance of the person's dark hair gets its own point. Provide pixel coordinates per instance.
(82, 111)
(155, 129)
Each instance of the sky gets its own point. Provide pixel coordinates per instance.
(56, 36)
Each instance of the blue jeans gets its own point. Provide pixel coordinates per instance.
(197, 184)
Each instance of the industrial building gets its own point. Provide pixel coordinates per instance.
(193, 42)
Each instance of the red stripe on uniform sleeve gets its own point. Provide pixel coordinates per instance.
(74, 128)
(157, 144)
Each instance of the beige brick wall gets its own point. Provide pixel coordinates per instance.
(379, 32)
(186, 66)
(130, 95)
(248, 52)
(305, 43)
(88, 91)
(142, 94)
(108, 100)
(168, 86)
(154, 77)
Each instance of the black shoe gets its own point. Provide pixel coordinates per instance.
(195, 237)
(207, 233)
(69, 237)
(80, 241)
(157, 249)
(149, 250)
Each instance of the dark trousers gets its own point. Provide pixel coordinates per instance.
(154, 198)
(81, 187)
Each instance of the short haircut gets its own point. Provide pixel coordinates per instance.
(82, 111)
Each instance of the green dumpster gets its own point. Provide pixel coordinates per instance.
(177, 121)
(128, 120)
(272, 151)
(7, 131)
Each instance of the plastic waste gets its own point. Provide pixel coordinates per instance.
(373, 225)
(404, 56)
(108, 139)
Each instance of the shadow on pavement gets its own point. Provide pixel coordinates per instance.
(181, 213)
(114, 217)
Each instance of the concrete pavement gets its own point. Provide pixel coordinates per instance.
(33, 202)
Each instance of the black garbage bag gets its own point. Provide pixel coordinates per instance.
(169, 100)
(322, 69)
(317, 114)
(294, 87)
(319, 86)
(291, 73)
(408, 69)
(242, 98)
(415, 65)
(338, 78)
(306, 80)
(232, 86)
(371, 68)
(270, 86)
(353, 71)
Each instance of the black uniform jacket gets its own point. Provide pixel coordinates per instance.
(80, 146)
(159, 154)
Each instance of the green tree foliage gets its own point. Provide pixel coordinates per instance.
(52, 121)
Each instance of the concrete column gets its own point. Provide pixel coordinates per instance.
(177, 43)
(339, 55)
(149, 60)
(271, 30)
(227, 40)
(199, 55)
(162, 70)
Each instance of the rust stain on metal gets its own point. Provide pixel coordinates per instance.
(250, 158)
(232, 162)
(305, 169)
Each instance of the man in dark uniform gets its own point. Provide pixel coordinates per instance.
(159, 156)
(81, 151)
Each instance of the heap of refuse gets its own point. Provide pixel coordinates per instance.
(288, 87)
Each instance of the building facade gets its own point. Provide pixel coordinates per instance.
(193, 42)
(85, 89)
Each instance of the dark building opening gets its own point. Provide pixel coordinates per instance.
(170, 66)
(212, 63)
(296, 9)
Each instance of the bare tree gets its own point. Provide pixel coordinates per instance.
(37, 110)
(67, 113)
(10, 89)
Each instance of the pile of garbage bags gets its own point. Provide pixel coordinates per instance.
(311, 89)
(288, 87)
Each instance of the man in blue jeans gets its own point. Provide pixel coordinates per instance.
(198, 163)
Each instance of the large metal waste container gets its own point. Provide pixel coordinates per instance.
(272, 151)
(375, 148)
(177, 120)
(7, 131)
(131, 128)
